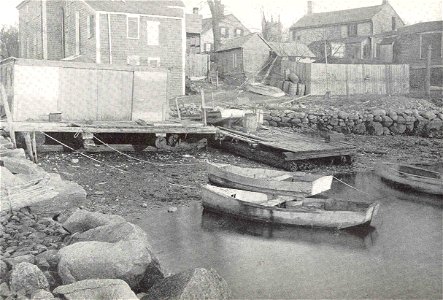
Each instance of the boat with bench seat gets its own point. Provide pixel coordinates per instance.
(288, 210)
(267, 180)
(411, 177)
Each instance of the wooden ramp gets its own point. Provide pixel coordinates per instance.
(288, 150)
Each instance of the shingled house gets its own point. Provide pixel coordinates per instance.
(107, 32)
(230, 27)
(347, 32)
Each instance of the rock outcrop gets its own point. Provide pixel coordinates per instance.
(110, 289)
(193, 284)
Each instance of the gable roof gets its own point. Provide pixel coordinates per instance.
(170, 8)
(207, 22)
(291, 49)
(338, 17)
(421, 27)
(239, 42)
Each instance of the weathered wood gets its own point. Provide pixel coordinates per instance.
(159, 128)
(34, 147)
(178, 109)
(267, 180)
(29, 147)
(265, 90)
(312, 212)
(50, 148)
(4, 98)
(203, 107)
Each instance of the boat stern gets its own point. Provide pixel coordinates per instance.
(321, 184)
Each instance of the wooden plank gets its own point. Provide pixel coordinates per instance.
(28, 143)
(9, 119)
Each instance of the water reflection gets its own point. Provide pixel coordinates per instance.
(357, 238)
(400, 258)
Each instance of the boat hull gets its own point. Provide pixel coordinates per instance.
(228, 176)
(217, 202)
(392, 173)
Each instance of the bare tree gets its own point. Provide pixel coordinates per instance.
(9, 45)
(217, 12)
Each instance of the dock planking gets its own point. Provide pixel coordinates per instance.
(281, 148)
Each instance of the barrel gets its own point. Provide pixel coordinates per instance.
(292, 90)
(250, 122)
(301, 89)
(286, 86)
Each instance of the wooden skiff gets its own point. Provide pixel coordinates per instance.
(268, 181)
(412, 177)
(286, 210)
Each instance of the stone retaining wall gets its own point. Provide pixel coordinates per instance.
(373, 122)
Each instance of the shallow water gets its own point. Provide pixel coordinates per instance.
(399, 257)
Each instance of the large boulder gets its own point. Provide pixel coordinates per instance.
(193, 284)
(7, 179)
(111, 233)
(110, 289)
(82, 220)
(126, 260)
(70, 196)
(17, 153)
(22, 166)
(41, 295)
(28, 278)
(375, 128)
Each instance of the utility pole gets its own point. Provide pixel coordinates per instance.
(217, 12)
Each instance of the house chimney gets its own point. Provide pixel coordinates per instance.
(309, 12)
(195, 10)
(385, 2)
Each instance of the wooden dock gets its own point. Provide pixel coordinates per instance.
(288, 150)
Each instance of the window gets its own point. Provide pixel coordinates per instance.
(394, 23)
(153, 33)
(133, 27)
(224, 32)
(366, 51)
(430, 39)
(238, 32)
(90, 24)
(208, 47)
(352, 30)
(337, 50)
(154, 62)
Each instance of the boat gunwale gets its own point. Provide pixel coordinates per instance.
(311, 210)
(439, 178)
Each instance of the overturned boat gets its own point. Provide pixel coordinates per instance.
(268, 181)
(411, 177)
(313, 212)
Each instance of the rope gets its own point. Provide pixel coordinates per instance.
(138, 159)
(82, 154)
(352, 187)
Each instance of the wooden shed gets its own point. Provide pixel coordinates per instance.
(243, 56)
(84, 91)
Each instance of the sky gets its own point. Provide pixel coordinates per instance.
(250, 11)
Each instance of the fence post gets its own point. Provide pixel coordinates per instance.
(428, 73)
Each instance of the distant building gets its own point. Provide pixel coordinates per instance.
(230, 27)
(243, 56)
(193, 32)
(107, 32)
(410, 45)
(272, 31)
(347, 33)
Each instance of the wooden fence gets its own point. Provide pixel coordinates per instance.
(197, 65)
(84, 91)
(351, 79)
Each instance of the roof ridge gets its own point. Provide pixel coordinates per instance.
(348, 9)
